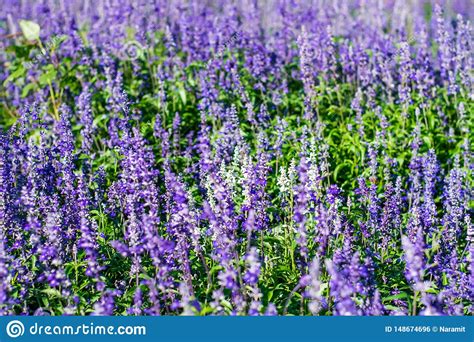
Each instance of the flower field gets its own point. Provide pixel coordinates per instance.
(246, 157)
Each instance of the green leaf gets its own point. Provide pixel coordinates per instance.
(56, 41)
(15, 75)
(27, 88)
(215, 269)
(397, 296)
(392, 308)
(30, 29)
(206, 310)
(48, 76)
(182, 93)
(52, 293)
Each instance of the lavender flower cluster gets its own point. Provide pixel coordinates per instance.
(256, 158)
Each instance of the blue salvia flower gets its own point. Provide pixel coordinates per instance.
(430, 173)
(445, 46)
(406, 76)
(86, 119)
(88, 239)
(300, 208)
(342, 291)
(313, 290)
(250, 278)
(463, 60)
(5, 276)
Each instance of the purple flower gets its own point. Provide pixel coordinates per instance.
(86, 119)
